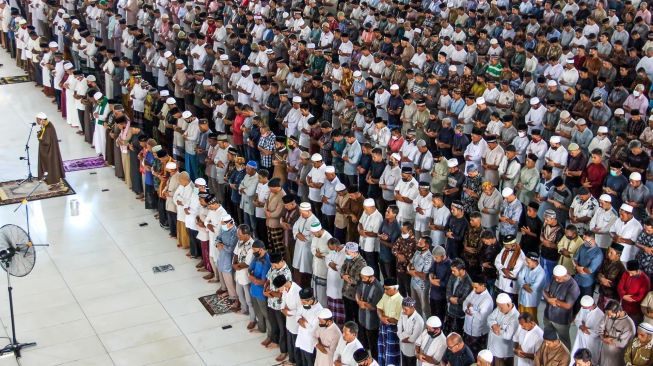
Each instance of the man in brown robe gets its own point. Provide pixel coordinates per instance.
(552, 352)
(49, 155)
(273, 210)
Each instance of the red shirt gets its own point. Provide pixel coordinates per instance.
(636, 286)
(237, 129)
(595, 174)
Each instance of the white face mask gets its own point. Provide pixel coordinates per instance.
(522, 134)
(405, 236)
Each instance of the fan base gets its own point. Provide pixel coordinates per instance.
(15, 348)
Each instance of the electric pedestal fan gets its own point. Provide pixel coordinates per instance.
(17, 258)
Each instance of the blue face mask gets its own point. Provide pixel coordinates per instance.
(225, 228)
(348, 256)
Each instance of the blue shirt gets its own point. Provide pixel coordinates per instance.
(328, 190)
(225, 255)
(590, 257)
(259, 268)
(422, 261)
(535, 279)
(441, 271)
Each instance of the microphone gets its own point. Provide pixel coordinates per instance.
(31, 123)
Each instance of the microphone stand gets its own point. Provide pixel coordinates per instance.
(29, 165)
(14, 346)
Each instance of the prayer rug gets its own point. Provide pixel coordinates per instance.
(14, 79)
(215, 305)
(84, 164)
(11, 192)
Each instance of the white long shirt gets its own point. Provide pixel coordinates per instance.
(505, 284)
(529, 341)
(409, 327)
(306, 339)
(592, 319)
(501, 344)
(432, 347)
(478, 308)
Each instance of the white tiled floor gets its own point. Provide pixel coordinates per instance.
(92, 298)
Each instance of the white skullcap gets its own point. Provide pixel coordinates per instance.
(554, 139)
(619, 111)
(605, 197)
(635, 176)
(179, 61)
(369, 202)
(224, 58)
(206, 82)
(67, 66)
(340, 187)
(603, 129)
(367, 271)
(565, 114)
(329, 169)
(551, 83)
(285, 14)
(559, 270)
(171, 100)
(296, 99)
(507, 192)
(186, 114)
(310, 46)
(453, 162)
(53, 44)
(91, 78)
(325, 314)
(167, 54)
(417, 30)
(434, 322)
(171, 165)
(316, 157)
(97, 95)
(503, 298)
(486, 355)
(646, 327)
(396, 156)
(453, 68)
(41, 115)
(244, 68)
(357, 73)
(586, 301)
(570, 60)
(315, 227)
(75, 21)
(535, 100)
(494, 41)
(200, 182)
(626, 207)
(394, 87)
(480, 100)
(305, 206)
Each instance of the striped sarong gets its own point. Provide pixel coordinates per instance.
(337, 307)
(389, 352)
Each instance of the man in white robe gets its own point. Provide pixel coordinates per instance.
(529, 338)
(589, 321)
(503, 323)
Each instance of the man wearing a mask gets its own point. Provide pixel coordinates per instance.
(431, 344)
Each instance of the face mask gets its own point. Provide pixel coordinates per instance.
(395, 138)
(348, 256)
(458, 134)
(225, 228)
(196, 190)
(405, 236)
(307, 307)
(323, 325)
(522, 134)
(613, 173)
(587, 244)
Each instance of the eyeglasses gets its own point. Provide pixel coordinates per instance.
(454, 346)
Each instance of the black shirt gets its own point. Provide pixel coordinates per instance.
(531, 243)
(464, 357)
(376, 170)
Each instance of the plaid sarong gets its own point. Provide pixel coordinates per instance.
(337, 307)
(389, 352)
(275, 240)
